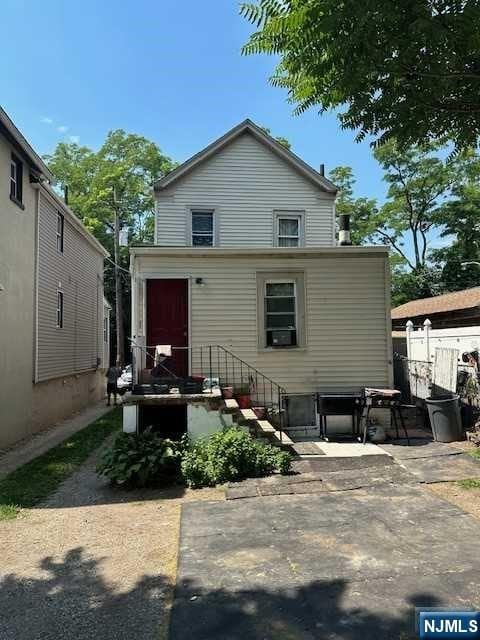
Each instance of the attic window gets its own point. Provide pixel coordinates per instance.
(289, 229)
(203, 228)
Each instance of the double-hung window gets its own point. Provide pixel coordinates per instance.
(16, 179)
(203, 228)
(280, 313)
(59, 310)
(60, 231)
(288, 229)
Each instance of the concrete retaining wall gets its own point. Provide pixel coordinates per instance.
(54, 400)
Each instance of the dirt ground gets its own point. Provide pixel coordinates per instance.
(467, 499)
(92, 561)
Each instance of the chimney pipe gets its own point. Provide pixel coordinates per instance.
(322, 169)
(344, 231)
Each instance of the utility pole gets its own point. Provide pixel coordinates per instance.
(120, 351)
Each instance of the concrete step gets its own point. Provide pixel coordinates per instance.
(230, 405)
(248, 415)
(265, 426)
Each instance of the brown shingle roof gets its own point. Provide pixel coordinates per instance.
(466, 299)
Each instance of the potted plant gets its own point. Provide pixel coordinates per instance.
(227, 393)
(242, 396)
(260, 412)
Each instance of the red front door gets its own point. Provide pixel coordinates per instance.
(167, 320)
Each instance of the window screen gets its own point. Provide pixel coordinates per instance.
(202, 229)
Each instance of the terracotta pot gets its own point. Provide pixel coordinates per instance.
(260, 412)
(244, 401)
(227, 393)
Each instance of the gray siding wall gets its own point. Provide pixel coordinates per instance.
(77, 272)
(17, 267)
(245, 183)
(347, 321)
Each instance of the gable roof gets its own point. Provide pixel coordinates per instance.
(247, 126)
(455, 301)
(16, 138)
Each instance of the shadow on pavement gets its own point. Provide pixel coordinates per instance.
(72, 601)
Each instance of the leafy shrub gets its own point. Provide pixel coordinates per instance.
(229, 455)
(141, 460)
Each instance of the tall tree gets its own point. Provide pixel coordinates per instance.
(459, 222)
(111, 192)
(420, 185)
(283, 141)
(362, 211)
(408, 70)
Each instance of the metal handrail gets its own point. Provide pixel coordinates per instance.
(229, 368)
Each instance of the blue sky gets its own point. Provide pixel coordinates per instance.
(166, 69)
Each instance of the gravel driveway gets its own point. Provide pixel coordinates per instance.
(92, 562)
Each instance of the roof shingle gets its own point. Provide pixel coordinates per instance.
(455, 301)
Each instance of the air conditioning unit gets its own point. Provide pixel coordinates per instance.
(282, 338)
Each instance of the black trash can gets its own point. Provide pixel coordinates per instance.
(444, 414)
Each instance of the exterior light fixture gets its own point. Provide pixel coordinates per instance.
(200, 282)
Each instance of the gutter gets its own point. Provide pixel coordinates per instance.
(218, 252)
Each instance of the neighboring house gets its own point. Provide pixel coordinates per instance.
(51, 297)
(456, 309)
(245, 257)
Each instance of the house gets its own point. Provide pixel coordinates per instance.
(450, 310)
(51, 297)
(246, 281)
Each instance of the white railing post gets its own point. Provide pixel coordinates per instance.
(409, 328)
(427, 325)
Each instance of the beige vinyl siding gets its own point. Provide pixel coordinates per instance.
(347, 343)
(77, 272)
(245, 183)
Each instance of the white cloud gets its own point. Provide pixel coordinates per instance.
(62, 129)
(46, 120)
(74, 139)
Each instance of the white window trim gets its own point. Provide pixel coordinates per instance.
(299, 278)
(289, 215)
(215, 219)
(60, 309)
(295, 296)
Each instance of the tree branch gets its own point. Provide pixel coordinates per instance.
(385, 235)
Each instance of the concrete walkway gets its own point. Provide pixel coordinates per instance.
(27, 450)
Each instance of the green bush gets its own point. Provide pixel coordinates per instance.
(141, 460)
(229, 455)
